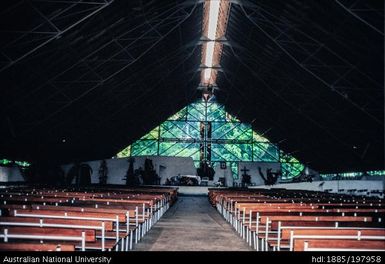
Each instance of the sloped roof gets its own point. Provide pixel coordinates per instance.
(307, 73)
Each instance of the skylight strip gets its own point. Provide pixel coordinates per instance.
(213, 18)
(211, 35)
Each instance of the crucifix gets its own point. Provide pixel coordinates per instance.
(245, 177)
(244, 170)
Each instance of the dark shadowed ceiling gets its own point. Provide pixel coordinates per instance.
(82, 80)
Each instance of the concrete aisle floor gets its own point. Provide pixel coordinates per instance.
(192, 224)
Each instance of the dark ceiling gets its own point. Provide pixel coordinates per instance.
(80, 81)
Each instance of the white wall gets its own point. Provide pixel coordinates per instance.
(256, 179)
(117, 168)
(223, 173)
(10, 174)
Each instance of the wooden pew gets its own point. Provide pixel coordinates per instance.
(24, 246)
(103, 229)
(338, 245)
(42, 233)
(289, 234)
(116, 234)
(49, 231)
(140, 220)
(119, 217)
(108, 225)
(267, 234)
(137, 209)
(241, 209)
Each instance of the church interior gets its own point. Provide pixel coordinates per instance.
(192, 125)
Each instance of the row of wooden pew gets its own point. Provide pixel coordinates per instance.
(295, 220)
(105, 219)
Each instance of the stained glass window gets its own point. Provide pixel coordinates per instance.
(229, 140)
(351, 175)
(6, 162)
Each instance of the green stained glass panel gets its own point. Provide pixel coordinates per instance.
(179, 149)
(377, 173)
(196, 112)
(22, 163)
(230, 141)
(259, 138)
(181, 115)
(153, 134)
(179, 130)
(231, 118)
(144, 148)
(350, 175)
(231, 131)
(287, 158)
(215, 112)
(231, 152)
(265, 152)
(125, 152)
(5, 162)
(290, 170)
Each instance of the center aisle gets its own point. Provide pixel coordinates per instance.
(192, 224)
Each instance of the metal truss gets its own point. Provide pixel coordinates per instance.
(52, 19)
(103, 64)
(262, 67)
(361, 11)
(312, 55)
(307, 94)
(116, 90)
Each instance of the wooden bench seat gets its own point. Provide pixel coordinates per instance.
(339, 245)
(94, 215)
(49, 232)
(287, 233)
(110, 234)
(274, 224)
(109, 245)
(108, 225)
(74, 208)
(125, 215)
(309, 211)
(264, 219)
(25, 246)
(269, 210)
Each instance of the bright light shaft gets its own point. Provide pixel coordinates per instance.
(213, 18)
(211, 34)
(207, 74)
(209, 58)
